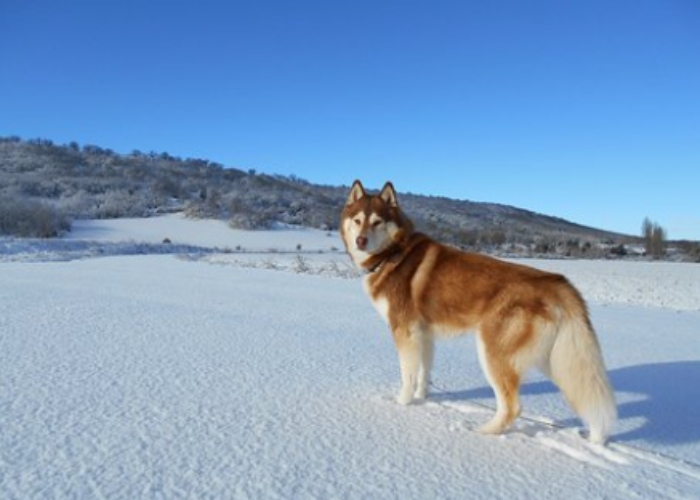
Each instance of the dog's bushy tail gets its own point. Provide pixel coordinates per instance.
(577, 367)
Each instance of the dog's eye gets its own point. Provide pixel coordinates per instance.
(376, 223)
(357, 222)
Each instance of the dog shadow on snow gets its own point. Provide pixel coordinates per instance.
(657, 403)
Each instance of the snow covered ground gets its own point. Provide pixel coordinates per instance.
(225, 364)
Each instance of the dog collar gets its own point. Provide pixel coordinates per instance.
(374, 268)
(381, 259)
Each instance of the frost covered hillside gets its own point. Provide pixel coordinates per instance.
(43, 186)
(250, 365)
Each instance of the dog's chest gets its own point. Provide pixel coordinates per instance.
(380, 302)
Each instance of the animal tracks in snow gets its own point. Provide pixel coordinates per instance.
(567, 441)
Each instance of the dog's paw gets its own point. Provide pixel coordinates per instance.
(493, 427)
(404, 398)
(421, 393)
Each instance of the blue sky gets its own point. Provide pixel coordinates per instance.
(587, 110)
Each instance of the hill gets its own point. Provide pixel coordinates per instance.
(43, 186)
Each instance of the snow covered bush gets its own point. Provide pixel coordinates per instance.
(28, 218)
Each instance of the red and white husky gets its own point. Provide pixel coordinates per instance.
(523, 317)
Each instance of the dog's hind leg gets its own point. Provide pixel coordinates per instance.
(505, 382)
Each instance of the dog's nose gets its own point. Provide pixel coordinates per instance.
(361, 242)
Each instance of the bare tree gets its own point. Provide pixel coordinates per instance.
(654, 238)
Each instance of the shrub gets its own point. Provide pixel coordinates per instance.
(28, 218)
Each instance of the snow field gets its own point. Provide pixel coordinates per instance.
(153, 376)
(308, 251)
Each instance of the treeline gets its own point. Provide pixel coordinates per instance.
(43, 186)
(74, 181)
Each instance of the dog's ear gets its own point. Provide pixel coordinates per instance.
(356, 192)
(388, 194)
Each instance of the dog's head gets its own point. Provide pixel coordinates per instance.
(371, 224)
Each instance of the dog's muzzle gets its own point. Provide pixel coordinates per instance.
(361, 242)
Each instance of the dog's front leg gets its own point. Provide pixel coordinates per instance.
(410, 347)
(426, 351)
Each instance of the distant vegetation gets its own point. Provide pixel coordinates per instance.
(27, 218)
(654, 238)
(43, 186)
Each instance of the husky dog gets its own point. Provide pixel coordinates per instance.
(523, 317)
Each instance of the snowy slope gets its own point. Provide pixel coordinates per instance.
(201, 233)
(170, 234)
(155, 376)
